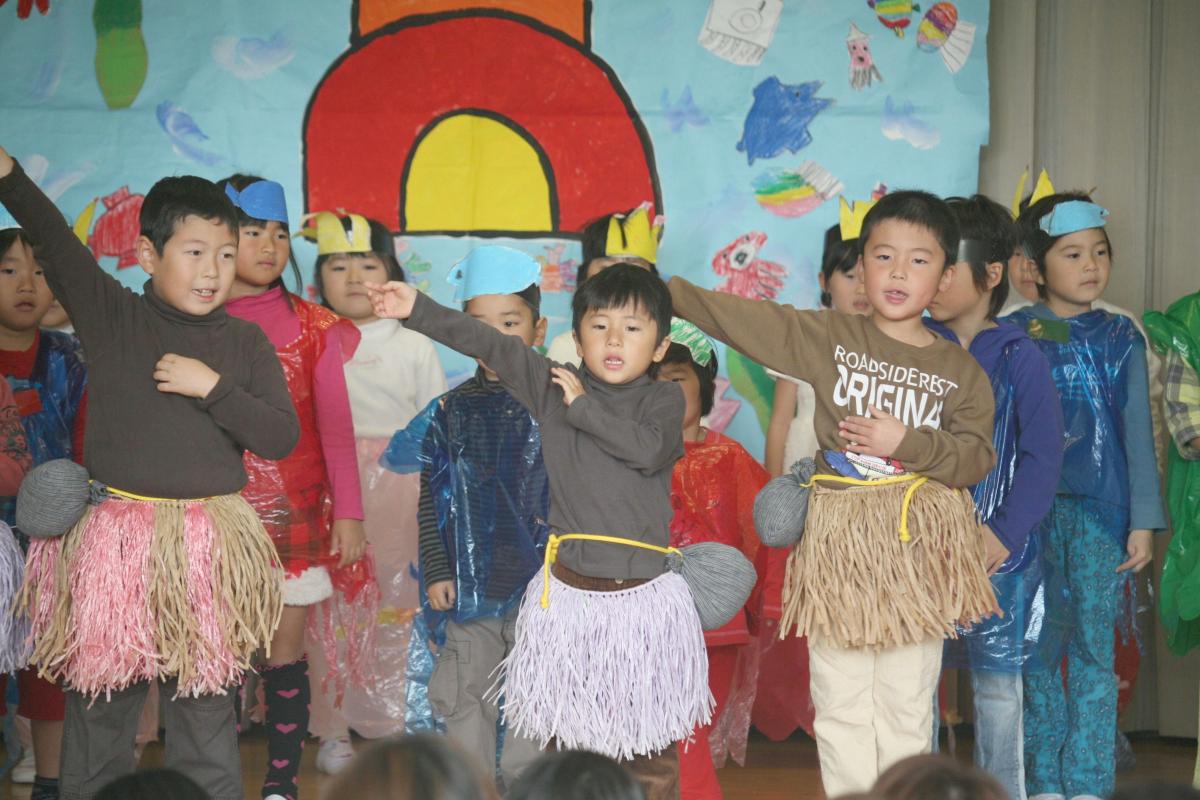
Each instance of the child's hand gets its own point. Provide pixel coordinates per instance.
(1140, 549)
(186, 376)
(569, 382)
(348, 540)
(441, 595)
(877, 435)
(6, 163)
(391, 300)
(1195, 443)
(994, 551)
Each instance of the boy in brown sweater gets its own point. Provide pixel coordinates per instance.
(891, 558)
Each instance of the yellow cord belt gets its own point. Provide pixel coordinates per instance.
(131, 496)
(552, 553)
(916, 480)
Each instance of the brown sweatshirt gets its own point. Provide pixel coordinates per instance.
(939, 391)
(138, 438)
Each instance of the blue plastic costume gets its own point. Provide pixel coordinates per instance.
(482, 453)
(49, 400)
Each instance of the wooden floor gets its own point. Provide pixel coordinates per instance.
(773, 771)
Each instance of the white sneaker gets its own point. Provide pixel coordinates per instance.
(274, 797)
(334, 755)
(25, 770)
(1052, 796)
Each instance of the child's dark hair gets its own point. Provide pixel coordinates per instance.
(575, 775)
(423, 765)
(1156, 790)
(10, 236)
(936, 777)
(1036, 241)
(171, 200)
(531, 294)
(707, 376)
(382, 245)
(621, 285)
(994, 236)
(240, 182)
(152, 784)
(838, 256)
(917, 208)
(593, 243)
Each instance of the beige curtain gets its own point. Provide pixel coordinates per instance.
(1104, 94)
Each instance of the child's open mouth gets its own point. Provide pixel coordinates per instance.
(612, 362)
(205, 294)
(895, 296)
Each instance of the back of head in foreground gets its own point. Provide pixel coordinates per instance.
(418, 767)
(575, 775)
(152, 784)
(936, 777)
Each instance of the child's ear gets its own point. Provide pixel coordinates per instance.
(578, 346)
(661, 351)
(147, 254)
(995, 274)
(947, 278)
(539, 331)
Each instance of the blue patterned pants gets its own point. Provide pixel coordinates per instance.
(1069, 736)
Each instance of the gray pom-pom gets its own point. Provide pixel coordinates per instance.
(782, 506)
(52, 498)
(719, 577)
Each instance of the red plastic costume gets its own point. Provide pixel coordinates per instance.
(712, 492)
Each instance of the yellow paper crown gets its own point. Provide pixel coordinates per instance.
(327, 230)
(634, 235)
(850, 218)
(1043, 188)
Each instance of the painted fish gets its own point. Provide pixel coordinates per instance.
(184, 133)
(682, 112)
(117, 229)
(896, 15)
(779, 118)
(250, 58)
(746, 274)
(943, 32)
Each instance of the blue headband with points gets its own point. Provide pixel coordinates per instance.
(493, 269)
(260, 200)
(1072, 216)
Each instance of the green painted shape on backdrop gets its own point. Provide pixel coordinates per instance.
(121, 57)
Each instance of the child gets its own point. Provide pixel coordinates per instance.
(1017, 493)
(309, 502)
(158, 587)
(484, 497)
(712, 491)
(886, 567)
(47, 375)
(393, 375)
(1107, 501)
(629, 238)
(612, 659)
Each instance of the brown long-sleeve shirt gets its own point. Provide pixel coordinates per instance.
(138, 438)
(938, 391)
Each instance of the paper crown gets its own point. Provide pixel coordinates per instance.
(326, 229)
(1043, 188)
(691, 337)
(850, 218)
(260, 200)
(634, 235)
(493, 269)
(1071, 216)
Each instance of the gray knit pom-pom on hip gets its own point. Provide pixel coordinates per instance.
(719, 577)
(52, 498)
(782, 505)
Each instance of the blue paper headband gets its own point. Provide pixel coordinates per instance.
(1072, 216)
(493, 269)
(260, 200)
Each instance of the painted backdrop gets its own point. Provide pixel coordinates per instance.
(741, 121)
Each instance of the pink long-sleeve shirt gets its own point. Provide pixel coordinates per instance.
(335, 424)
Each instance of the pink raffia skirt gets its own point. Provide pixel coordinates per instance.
(144, 590)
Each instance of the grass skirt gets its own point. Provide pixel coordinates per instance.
(851, 581)
(622, 673)
(141, 591)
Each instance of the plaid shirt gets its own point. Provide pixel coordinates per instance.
(1181, 397)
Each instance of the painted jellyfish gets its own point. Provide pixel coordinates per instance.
(894, 14)
(943, 31)
(862, 64)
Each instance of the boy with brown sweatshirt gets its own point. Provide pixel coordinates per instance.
(891, 557)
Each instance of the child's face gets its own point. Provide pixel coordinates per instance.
(619, 344)
(903, 269)
(685, 376)
(263, 250)
(196, 268)
(56, 316)
(846, 291)
(24, 296)
(1022, 275)
(510, 315)
(962, 296)
(343, 276)
(1077, 268)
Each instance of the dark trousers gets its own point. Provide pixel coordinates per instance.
(98, 739)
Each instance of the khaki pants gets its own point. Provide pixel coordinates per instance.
(873, 708)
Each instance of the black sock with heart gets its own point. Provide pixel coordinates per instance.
(287, 693)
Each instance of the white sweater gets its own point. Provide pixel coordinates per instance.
(394, 374)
